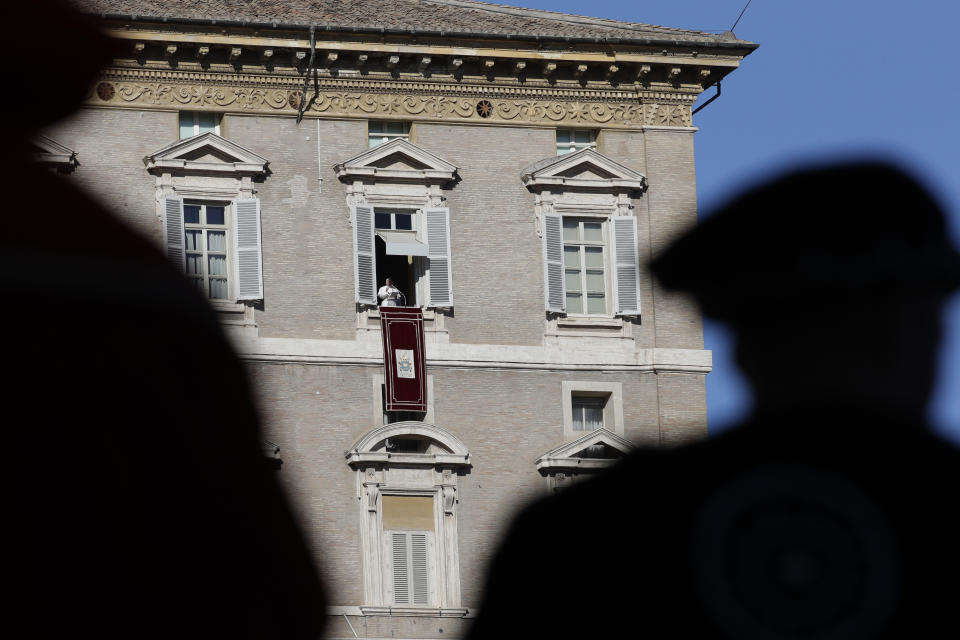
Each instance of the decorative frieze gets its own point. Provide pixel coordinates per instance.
(364, 98)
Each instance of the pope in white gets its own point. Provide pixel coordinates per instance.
(389, 295)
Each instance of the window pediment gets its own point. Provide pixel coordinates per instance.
(441, 448)
(51, 153)
(594, 450)
(397, 161)
(206, 153)
(586, 169)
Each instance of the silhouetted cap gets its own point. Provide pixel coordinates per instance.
(66, 50)
(837, 232)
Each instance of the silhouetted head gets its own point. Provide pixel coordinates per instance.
(832, 278)
(57, 37)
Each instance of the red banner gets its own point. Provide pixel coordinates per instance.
(404, 359)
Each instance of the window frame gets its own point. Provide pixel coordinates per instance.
(613, 406)
(436, 474)
(585, 294)
(204, 227)
(572, 146)
(217, 118)
(386, 136)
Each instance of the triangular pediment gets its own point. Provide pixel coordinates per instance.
(398, 160)
(206, 153)
(50, 152)
(587, 445)
(585, 169)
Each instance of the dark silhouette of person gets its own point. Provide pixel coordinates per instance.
(829, 514)
(136, 500)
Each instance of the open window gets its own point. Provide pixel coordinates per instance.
(401, 230)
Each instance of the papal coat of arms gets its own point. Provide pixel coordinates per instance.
(404, 359)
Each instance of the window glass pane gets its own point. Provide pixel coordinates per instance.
(395, 127)
(573, 280)
(217, 265)
(195, 264)
(218, 288)
(381, 220)
(592, 416)
(404, 221)
(375, 126)
(583, 136)
(574, 303)
(207, 121)
(595, 281)
(596, 304)
(592, 232)
(191, 213)
(216, 241)
(186, 124)
(571, 257)
(200, 284)
(193, 240)
(577, 417)
(215, 214)
(563, 136)
(375, 140)
(594, 257)
(562, 151)
(571, 230)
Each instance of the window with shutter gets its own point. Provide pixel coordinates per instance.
(440, 287)
(554, 291)
(364, 256)
(248, 257)
(626, 265)
(173, 238)
(197, 238)
(411, 575)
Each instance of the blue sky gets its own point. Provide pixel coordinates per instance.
(831, 78)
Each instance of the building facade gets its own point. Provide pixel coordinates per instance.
(510, 170)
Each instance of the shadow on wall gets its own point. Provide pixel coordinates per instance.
(822, 515)
(138, 502)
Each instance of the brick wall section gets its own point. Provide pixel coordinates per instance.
(110, 146)
(673, 208)
(498, 263)
(683, 409)
(627, 148)
(506, 418)
(307, 241)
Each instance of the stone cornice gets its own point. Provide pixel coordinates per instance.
(396, 99)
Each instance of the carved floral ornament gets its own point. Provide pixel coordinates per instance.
(360, 104)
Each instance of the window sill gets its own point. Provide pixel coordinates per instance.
(421, 612)
(428, 314)
(225, 306)
(607, 322)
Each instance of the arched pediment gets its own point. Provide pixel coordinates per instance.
(446, 450)
(397, 161)
(594, 450)
(205, 153)
(586, 169)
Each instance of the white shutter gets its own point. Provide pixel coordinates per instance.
(401, 571)
(364, 255)
(555, 291)
(173, 239)
(626, 266)
(438, 250)
(248, 258)
(418, 556)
